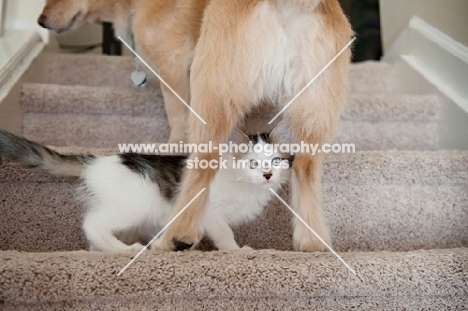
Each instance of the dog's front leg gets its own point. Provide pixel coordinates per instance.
(175, 71)
(164, 42)
(187, 230)
(220, 93)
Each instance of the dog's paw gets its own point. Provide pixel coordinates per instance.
(246, 248)
(306, 241)
(180, 245)
(171, 241)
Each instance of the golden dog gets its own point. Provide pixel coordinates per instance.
(226, 57)
(165, 33)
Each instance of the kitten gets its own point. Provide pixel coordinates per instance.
(129, 197)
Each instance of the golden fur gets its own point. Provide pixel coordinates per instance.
(227, 57)
(165, 31)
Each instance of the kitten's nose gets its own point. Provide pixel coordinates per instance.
(41, 20)
(267, 176)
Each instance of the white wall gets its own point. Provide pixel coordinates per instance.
(1, 17)
(449, 16)
(23, 14)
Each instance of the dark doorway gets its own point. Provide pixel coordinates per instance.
(365, 19)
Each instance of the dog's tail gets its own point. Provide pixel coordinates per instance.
(35, 155)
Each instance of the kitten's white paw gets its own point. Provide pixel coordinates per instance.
(246, 248)
(137, 246)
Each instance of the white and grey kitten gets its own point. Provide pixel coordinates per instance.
(129, 197)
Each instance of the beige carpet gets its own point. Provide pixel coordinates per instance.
(91, 101)
(399, 218)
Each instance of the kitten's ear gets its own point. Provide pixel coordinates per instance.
(238, 137)
(282, 133)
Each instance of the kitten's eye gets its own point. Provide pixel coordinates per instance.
(276, 162)
(253, 164)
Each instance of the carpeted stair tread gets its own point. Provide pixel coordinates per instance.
(422, 202)
(380, 107)
(95, 70)
(79, 115)
(389, 135)
(262, 275)
(254, 303)
(401, 218)
(101, 131)
(99, 70)
(52, 98)
(391, 167)
(372, 77)
(75, 109)
(107, 131)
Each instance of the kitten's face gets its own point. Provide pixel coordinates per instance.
(267, 169)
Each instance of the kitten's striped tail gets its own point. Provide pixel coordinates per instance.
(35, 155)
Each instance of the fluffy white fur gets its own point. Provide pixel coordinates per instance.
(124, 208)
(129, 198)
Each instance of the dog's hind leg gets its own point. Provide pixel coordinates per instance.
(177, 112)
(314, 117)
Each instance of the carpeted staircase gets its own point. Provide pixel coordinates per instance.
(397, 209)
(89, 102)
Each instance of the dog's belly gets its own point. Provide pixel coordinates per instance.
(288, 50)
